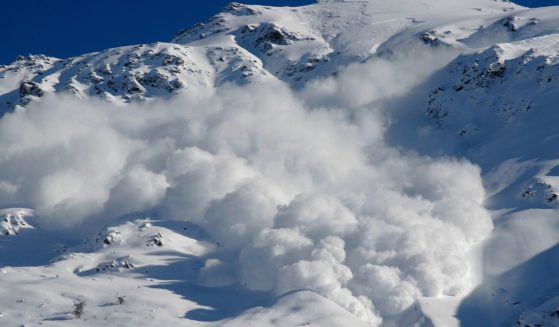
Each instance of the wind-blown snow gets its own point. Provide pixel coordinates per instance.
(332, 148)
(299, 196)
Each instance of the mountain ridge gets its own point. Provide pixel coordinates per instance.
(494, 71)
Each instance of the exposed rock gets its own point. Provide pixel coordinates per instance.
(120, 264)
(542, 191)
(432, 38)
(156, 240)
(239, 9)
(510, 23)
(29, 88)
(109, 238)
(12, 221)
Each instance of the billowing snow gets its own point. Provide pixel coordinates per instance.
(346, 163)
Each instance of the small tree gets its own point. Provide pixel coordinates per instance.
(79, 306)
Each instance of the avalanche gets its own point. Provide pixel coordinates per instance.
(342, 163)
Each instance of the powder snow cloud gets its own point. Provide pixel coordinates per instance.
(300, 189)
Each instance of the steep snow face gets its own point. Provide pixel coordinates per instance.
(491, 100)
(495, 106)
(128, 74)
(271, 143)
(297, 43)
(486, 80)
(248, 44)
(524, 58)
(16, 86)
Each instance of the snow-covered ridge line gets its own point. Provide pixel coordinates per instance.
(271, 99)
(243, 44)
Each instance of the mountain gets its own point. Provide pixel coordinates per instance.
(245, 44)
(366, 174)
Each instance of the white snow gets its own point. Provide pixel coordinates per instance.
(344, 163)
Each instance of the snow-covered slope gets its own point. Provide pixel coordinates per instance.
(142, 273)
(247, 44)
(472, 79)
(495, 105)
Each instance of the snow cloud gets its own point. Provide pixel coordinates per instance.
(300, 189)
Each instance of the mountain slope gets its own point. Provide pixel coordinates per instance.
(312, 151)
(245, 44)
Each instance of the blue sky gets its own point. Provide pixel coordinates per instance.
(64, 28)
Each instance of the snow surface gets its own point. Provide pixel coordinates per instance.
(344, 163)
